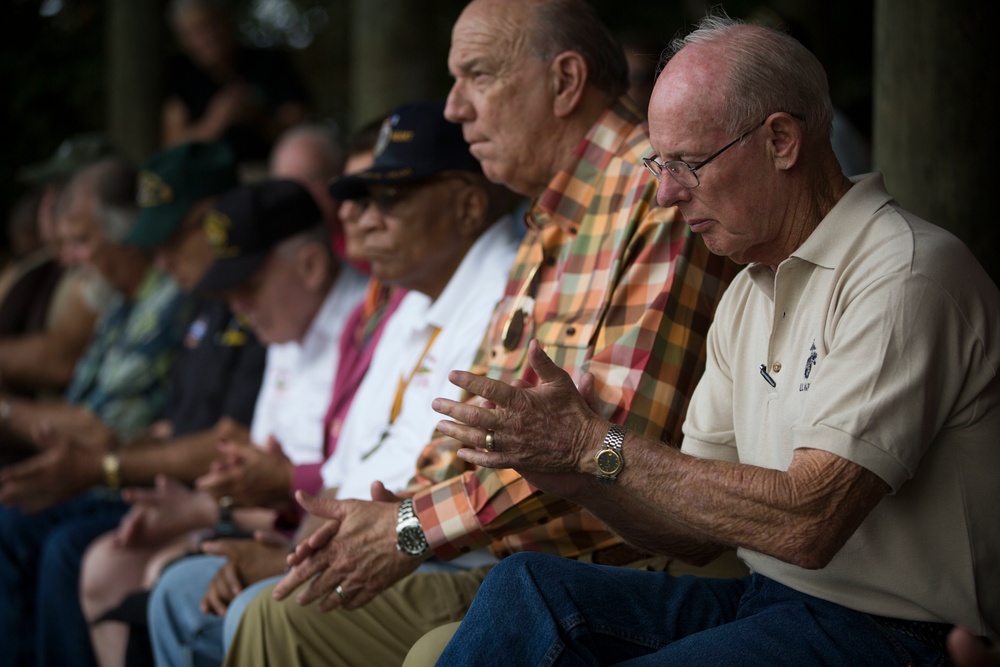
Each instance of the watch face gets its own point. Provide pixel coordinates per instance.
(609, 462)
(410, 540)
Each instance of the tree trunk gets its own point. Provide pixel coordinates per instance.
(135, 56)
(935, 114)
(392, 59)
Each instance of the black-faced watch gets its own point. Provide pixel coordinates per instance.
(410, 538)
(609, 458)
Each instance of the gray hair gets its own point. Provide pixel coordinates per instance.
(769, 71)
(573, 25)
(112, 183)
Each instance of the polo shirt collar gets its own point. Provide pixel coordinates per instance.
(833, 238)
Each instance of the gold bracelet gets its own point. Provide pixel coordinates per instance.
(112, 470)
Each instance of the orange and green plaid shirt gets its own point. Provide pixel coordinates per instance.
(618, 287)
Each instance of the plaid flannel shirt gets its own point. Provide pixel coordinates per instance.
(623, 290)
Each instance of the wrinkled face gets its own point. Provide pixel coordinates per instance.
(273, 301)
(501, 95)
(728, 208)
(187, 254)
(81, 237)
(410, 234)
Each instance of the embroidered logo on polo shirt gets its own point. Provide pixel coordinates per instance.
(811, 361)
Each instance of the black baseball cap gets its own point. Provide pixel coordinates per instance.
(246, 223)
(415, 142)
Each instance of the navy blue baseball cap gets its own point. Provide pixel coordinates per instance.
(415, 142)
(245, 224)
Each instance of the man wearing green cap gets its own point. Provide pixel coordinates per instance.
(213, 384)
(118, 388)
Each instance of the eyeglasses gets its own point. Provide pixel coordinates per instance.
(387, 197)
(685, 174)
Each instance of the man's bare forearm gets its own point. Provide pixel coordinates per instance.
(185, 458)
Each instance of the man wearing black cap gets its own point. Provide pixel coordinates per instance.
(432, 224)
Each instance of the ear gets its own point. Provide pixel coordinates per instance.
(471, 208)
(568, 73)
(784, 140)
(312, 265)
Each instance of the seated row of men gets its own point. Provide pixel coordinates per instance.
(585, 337)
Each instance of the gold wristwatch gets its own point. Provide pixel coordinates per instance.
(609, 458)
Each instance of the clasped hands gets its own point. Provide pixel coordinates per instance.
(354, 551)
(548, 431)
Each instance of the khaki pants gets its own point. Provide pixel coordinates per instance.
(286, 634)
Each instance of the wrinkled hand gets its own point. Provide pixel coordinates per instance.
(248, 561)
(61, 470)
(252, 476)
(164, 512)
(355, 548)
(549, 428)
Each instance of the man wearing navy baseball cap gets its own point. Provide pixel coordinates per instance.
(431, 224)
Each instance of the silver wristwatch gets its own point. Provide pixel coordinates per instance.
(609, 458)
(410, 538)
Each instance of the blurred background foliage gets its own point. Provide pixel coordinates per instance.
(54, 55)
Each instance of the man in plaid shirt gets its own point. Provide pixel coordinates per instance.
(607, 282)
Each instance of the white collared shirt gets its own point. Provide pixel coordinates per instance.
(369, 447)
(298, 376)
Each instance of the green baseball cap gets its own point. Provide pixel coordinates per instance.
(172, 181)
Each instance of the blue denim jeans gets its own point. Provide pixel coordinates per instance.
(535, 609)
(40, 617)
(181, 634)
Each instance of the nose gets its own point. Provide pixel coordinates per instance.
(456, 107)
(669, 192)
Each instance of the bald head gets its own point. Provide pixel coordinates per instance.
(757, 71)
(531, 79)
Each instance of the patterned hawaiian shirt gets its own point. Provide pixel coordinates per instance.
(123, 375)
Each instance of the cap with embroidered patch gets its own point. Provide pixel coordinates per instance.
(172, 181)
(246, 223)
(415, 142)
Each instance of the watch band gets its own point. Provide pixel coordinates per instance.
(609, 459)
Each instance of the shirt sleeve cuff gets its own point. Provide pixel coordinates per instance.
(448, 519)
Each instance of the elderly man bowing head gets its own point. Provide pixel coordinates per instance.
(839, 437)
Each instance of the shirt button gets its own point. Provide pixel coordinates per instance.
(776, 368)
(571, 331)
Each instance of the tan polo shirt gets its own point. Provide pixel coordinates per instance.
(881, 334)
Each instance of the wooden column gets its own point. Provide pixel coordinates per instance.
(935, 128)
